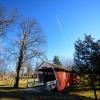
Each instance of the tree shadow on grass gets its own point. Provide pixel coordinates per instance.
(32, 95)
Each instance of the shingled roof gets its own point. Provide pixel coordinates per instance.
(55, 66)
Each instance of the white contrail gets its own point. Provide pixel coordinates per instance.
(61, 28)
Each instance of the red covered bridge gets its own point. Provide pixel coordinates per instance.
(55, 77)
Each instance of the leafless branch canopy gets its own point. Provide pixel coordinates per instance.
(30, 41)
(6, 19)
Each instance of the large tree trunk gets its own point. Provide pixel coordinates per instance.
(19, 65)
(16, 82)
(17, 77)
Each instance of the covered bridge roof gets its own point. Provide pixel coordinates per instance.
(45, 65)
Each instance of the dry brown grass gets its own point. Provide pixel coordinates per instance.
(22, 82)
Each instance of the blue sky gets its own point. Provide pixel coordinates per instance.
(76, 17)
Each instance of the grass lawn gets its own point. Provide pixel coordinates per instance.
(29, 94)
(87, 93)
(78, 92)
(22, 94)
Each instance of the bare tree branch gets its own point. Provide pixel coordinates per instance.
(6, 19)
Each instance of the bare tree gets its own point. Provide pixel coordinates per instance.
(7, 18)
(29, 43)
(3, 66)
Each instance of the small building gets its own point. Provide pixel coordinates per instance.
(54, 77)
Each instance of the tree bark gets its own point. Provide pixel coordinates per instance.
(17, 77)
(93, 86)
(16, 82)
(19, 65)
(94, 90)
